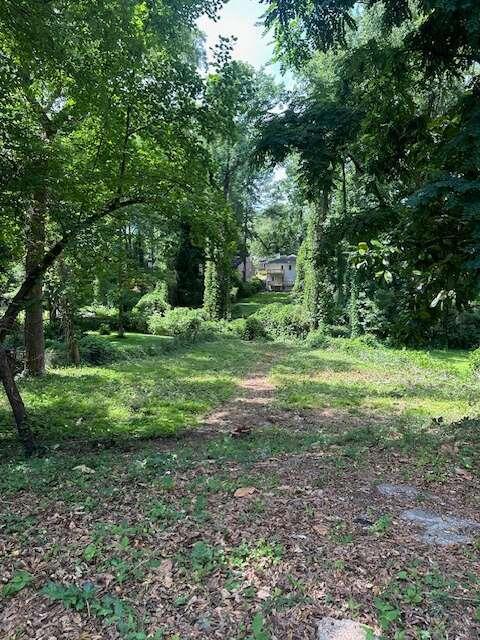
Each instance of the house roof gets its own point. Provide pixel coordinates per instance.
(282, 260)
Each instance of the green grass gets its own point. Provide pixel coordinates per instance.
(155, 396)
(402, 383)
(140, 506)
(250, 305)
(136, 340)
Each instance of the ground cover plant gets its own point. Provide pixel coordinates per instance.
(138, 397)
(263, 534)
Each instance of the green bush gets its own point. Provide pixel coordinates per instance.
(153, 303)
(95, 350)
(338, 331)
(366, 341)
(317, 338)
(248, 328)
(212, 329)
(248, 289)
(475, 362)
(104, 329)
(182, 323)
(282, 321)
(93, 317)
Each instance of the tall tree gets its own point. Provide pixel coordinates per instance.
(102, 107)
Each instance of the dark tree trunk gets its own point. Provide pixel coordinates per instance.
(25, 434)
(34, 335)
(341, 262)
(319, 304)
(69, 333)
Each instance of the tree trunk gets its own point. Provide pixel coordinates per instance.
(315, 286)
(69, 333)
(34, 335)
(25, 434)
(341, 262)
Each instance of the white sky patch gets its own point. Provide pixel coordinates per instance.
(279, 173)
(240, 18)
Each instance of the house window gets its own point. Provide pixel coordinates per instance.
(289, 267)
(282, 267)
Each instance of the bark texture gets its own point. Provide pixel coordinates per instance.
(34, 334)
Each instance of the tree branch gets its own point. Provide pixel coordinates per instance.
(18, 301)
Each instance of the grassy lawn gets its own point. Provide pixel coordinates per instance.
(155, 396)
(248, 306)
(137, 340)
(400, 383)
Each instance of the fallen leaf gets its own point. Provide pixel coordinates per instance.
(165, 571)
(463, 473)
(83, 469)
(263, 594)
(244, 492)
(321, 529)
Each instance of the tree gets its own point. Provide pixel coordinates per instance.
(102, 108)
(414, 167)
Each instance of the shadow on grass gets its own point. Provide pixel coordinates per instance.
(149, 398)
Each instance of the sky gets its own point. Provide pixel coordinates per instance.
(240, 18)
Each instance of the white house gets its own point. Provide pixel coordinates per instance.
(281, 273)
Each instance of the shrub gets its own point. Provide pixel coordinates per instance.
(338, 331)
(475, 362)
(95, 350)
(91, 318)
(104, 329)
(154, 302)
(248, 328)
(212, 329)
(317, 338)
(282, 321)
(365, 341)
(248, 289)
(182, 323)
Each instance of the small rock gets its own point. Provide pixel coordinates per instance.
(364, 522)
(443, 530)
(331, 629)
(398, 490)
(245, 492)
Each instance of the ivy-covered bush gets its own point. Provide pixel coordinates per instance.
(339, 331)
(94, 350)
(153, 303)
(93, 317)
(282, 321)
(248, 328)
(182, 323)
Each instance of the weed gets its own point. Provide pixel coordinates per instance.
(382, 525)
(17, 583)
(165, 514)
(259, 630)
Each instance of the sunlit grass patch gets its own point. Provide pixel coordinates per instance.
(387, 381)
(155, 396)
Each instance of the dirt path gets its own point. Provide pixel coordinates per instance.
(252, 407)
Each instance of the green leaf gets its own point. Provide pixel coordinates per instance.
(20, 580)
(362, 248)
(258, 628)
(388, 277)
(90, 552)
